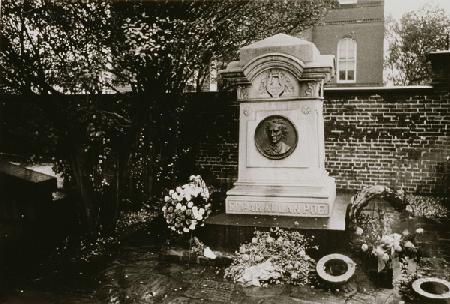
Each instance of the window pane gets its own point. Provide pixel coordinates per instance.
(342, 50)
(351, 49)
(351, 65)
(344, 65)
(351, 75)
(342, 75)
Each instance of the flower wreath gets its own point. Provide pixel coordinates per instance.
(187, 206)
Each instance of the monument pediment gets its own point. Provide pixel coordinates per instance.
(281, 43)
(280, 67)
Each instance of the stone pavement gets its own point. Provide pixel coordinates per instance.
(139, 275)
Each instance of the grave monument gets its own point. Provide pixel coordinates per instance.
(281, 130)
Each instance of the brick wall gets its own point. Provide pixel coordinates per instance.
(394, 137)
(212, 132)
(391, 137)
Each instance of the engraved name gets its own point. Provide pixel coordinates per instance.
(279, 208)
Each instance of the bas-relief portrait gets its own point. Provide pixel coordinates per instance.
(275, 137)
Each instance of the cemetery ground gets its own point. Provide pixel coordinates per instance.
(142, 268)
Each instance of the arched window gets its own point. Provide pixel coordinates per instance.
(346, 63)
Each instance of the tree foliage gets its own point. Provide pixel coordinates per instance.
(411, 38)
(52, 46)
(170, 41)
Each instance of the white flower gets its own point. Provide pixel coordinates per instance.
(379, 251)
(192, 226)
(171, 192)
(188, 197)
(208, 253)
(192, 177)
(179, 198)
(359, 231)
(179, 189)
(201, 211)
(387, 239)
(254, 240)
(397, 248)
(364, 247)
(195, 209)
(174, 196)
(185, 229)
(166, 198)
(164, 208)
(405, 232)
(178, 206)
(183, 208)
(269, 240)
(190, 204)
(409, 244)
(419, 230)
(396, 237)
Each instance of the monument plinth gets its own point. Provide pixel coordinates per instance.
(281, 134)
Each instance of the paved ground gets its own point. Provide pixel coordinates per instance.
(139, 275)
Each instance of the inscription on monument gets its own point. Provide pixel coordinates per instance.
(278, 208)
(276, 137)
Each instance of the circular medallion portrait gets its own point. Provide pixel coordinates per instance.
(276, 137)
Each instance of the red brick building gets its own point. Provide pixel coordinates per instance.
(354, 33)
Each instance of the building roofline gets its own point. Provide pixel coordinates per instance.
(379, 89)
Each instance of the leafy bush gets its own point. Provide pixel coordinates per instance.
(427, 206)
(277, 256)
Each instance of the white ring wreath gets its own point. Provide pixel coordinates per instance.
(417, 287)
(321, 269)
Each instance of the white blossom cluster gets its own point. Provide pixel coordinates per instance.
(388, 246)
(187, 206)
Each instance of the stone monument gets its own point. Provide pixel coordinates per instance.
(281, 133)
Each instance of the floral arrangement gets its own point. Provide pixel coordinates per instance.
(188, 206)
(386, 246)
(277, 256)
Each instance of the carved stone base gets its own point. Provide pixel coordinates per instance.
(312, 199)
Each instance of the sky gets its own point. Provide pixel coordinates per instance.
(397, 8)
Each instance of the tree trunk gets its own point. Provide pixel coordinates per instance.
(88, 214)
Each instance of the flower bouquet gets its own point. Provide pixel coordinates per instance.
(277, 256)
(388, 251)
(188, 206)
(389, 248)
